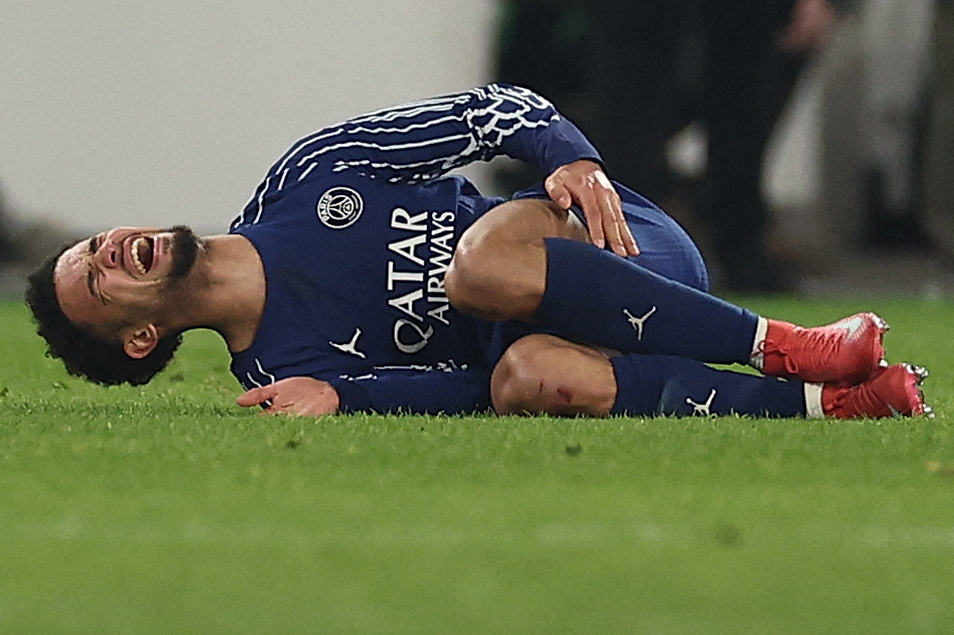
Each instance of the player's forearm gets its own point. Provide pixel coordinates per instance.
(422, 140)
(415, 392)
(523, 125)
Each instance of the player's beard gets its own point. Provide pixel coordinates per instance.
(185, 251)
(174, 292)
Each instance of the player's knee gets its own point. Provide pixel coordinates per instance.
(475, 281)
(462, 281)
(516, 385)
(530, 379)
(496, 277)
(545, 374)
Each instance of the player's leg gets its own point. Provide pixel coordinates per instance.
(498, 271)
(545, 374)
(633, 310)
(527, 260)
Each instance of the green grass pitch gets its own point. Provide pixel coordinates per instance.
(168, 509)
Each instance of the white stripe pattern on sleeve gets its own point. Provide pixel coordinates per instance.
(410, 143)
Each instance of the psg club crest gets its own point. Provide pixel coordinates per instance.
(339, 207)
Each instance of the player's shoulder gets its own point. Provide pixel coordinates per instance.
(335, 197)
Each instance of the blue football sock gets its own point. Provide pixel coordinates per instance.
(662, 384)
(595, 297)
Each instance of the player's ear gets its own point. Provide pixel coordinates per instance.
(141, 341)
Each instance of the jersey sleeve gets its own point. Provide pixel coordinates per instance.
(422, 140)
(410, 391)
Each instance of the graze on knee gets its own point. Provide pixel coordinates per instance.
(545, 374)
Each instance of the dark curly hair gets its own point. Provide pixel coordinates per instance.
(83, 352)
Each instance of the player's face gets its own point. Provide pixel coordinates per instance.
(121, 274)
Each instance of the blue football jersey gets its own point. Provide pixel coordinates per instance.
(356, 225)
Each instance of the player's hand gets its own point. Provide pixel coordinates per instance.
(583, 182)
(304, 396)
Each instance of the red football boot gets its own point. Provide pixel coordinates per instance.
(846, 352)
(894, 391)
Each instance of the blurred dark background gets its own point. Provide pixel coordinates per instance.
(718, 81)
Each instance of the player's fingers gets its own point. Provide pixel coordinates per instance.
(302, 408)
(612, 222)
(310, 410)
(595, 222)
(632, 247)
(619, 236)
(256, 396)
(610, 209)
(614, 237)
(585, 196)
(558, 192)
(628, 246)
(276, 408)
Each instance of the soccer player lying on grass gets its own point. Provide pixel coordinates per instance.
(360, 278)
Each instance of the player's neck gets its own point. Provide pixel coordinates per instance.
(227, 290)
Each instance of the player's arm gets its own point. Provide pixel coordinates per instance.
(418, 141)
(423, 140)
(304, 396)
(381, 391)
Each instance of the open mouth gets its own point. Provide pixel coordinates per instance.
(143, 252)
